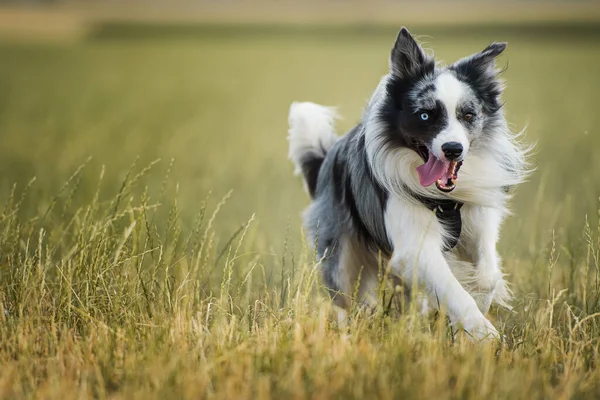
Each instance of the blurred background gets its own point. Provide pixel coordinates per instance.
(208, 84)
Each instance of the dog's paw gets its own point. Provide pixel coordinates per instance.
(483, 293)
(480, 329)
(490, 291)
(489, 286)
(502, 294)
(483, 298)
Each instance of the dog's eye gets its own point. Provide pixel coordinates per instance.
(469, 117)
(424, 116)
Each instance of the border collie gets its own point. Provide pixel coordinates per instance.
(422, 181)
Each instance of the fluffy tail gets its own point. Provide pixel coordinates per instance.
(311, 135)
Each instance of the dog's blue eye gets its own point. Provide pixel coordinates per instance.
(424, 116)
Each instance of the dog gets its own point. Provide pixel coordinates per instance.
(422, 181)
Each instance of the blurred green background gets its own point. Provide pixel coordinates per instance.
(213, 94)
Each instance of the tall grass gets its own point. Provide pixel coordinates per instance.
(101, 300)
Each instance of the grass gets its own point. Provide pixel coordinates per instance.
(126, 277)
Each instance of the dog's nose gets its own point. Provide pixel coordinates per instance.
(452, 150)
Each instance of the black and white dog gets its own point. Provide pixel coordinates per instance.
(423, 179)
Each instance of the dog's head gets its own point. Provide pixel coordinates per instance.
(439, 112)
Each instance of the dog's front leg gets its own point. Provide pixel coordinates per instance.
(482, 226)
(417, 258)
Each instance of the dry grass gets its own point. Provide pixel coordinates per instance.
(122, 281)
(99, 301)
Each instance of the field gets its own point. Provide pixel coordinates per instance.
(150, 235)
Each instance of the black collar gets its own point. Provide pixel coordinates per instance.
(448, 213)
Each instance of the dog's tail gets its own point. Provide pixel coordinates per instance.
(311, 135)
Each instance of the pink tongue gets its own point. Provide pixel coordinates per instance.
(432, 170)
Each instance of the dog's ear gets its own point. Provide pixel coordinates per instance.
(407, 56)
(480, 71)
(484, 61)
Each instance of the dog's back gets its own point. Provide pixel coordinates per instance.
(345, 221)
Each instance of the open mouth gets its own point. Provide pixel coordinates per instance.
(447, 182)
(443, 173)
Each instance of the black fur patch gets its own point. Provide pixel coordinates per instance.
(373, 201)
(478, 71)
(402, 123)
(486, 87)
(311, 164)
(347, 174)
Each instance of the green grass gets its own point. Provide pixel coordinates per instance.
(126, 277)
